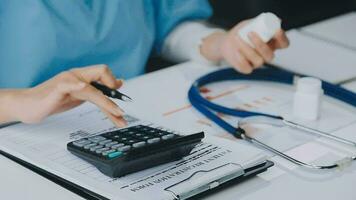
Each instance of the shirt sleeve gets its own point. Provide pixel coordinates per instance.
(170, 13)
(184, 41)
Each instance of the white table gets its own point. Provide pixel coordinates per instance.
(18, 182)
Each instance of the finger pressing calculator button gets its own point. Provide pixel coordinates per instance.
(138, 144)
(153, 140)
(115, 154)
(105, 142)
(124, 148)
(166, 137)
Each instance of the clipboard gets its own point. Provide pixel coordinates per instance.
(230, 169)
(204, 181)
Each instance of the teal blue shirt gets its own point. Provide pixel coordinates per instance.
(40, 38)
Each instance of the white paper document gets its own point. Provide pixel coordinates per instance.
(176, 111)
(44, 145)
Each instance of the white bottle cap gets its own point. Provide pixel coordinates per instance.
(307, 98)
(309, 85)
(265, 25)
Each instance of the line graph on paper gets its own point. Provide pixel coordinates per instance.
(272, 98)
(233, 95)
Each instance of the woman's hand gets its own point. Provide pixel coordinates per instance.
(230, 47)
(63, 92)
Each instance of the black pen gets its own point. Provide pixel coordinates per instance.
(111, 92)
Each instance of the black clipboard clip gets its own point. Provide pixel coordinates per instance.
(204, 180)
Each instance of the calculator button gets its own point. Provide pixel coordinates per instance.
(130, 133)
(115, 154)
(110, 144)
(166, 137)
(138, 144)
(124, 148)
(152, 131)
(105, 153)
(116, 146)
(132, 141)
(94, 148)
(116, 137)
(146, 137)
(81, 143)
(122, 130)
(88, 146)
(161, 133)
(153, 140)
(105, 142)
(99, 151)
(144, 128)
(96, 138)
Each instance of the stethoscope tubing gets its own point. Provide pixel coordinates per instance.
(273, 75)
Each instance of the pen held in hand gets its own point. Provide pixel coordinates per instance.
(111, 92)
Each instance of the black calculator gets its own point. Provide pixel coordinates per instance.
(124, 151)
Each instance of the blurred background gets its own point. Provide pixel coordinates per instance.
(294, 13)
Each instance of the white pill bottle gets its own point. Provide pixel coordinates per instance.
(265, 25)
(307, 98)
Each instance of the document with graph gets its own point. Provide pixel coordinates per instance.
(175, 110)
(44, 146)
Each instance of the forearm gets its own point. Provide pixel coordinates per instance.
(7, 99)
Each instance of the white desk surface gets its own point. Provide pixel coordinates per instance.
(17, 182)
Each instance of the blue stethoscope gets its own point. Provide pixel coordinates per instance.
(270, 74)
